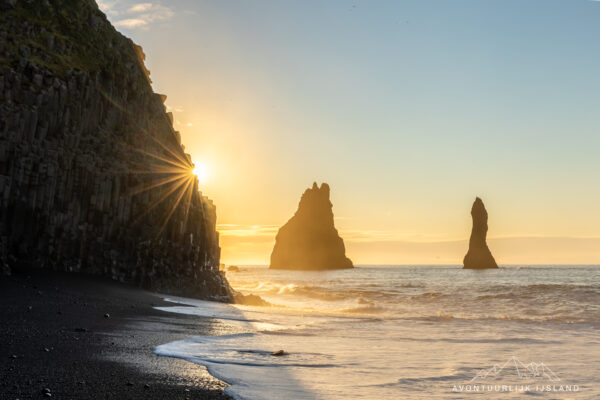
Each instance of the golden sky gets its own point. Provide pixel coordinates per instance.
(407, 111)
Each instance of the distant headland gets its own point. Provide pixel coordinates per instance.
(309, 240)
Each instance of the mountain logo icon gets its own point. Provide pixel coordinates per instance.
(524, 371)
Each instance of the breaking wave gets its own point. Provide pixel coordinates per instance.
(428, 294)
(394, 332)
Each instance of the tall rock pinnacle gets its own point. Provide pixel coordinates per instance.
(479, 255)
(309, 240)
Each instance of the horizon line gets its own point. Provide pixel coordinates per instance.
(435, 265)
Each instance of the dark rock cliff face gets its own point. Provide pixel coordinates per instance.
(479, 255)
(93, 177)
(309, 240)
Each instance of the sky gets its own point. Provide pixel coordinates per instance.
(408, 109)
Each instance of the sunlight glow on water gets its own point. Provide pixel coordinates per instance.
(414, 332)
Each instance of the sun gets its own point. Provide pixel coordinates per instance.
(201, 172)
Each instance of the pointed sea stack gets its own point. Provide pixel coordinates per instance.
(309, 240)
(479, 255)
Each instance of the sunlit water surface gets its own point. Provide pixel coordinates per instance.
(424, 332)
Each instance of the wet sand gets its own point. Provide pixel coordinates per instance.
(70, 336)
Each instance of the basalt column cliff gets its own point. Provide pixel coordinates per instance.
(93, 177)
(479, 255)
(309, 240)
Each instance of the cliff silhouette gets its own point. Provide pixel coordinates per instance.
(479, 255)
(309, 240)
(93, 176)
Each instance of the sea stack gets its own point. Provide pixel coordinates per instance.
(309, 240)
(479, 255)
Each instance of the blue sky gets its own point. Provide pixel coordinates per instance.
(408, 109)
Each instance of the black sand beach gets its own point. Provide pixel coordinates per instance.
(88, 338)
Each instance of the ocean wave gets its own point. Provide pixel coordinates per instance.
(542, 293)
(224, 350)
(441, 378)
(418, 383)
(568, 319)
(369, 309)
(335, 293)
(543, 287)
(286, 332)
(263, 364)
(516, 340)
(322, 292)
(422, 295)
(426, 295)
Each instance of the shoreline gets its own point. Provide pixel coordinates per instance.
(87, 337)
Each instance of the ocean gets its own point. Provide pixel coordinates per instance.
(410, 332)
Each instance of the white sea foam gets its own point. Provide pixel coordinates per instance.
(399, 332)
